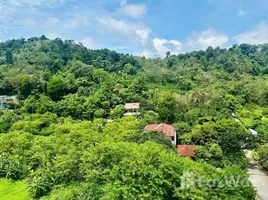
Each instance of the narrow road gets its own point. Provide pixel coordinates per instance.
(258, 178)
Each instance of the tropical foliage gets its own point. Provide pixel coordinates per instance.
(67, 137)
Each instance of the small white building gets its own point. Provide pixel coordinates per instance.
(132, 109)
(3, 99)
(253, 132)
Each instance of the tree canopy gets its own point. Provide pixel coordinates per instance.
(67, 137)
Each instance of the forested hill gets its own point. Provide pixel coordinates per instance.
(71, 80)
(66, 134)
(58, 69)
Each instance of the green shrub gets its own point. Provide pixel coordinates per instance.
(255, 155)
(12, 168)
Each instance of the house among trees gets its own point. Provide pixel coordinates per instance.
(166, 129)
(6, 100)
(186, 150)
(132, 109)
(3, 99)
(170, 131)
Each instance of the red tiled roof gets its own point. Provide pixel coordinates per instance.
(163, 128)
(186, 150)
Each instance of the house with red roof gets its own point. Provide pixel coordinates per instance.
(186, 150)
(166, 129)
(170, 131)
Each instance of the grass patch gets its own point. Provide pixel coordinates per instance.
(13, 190)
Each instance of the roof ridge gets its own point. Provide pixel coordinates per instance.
(158, 126)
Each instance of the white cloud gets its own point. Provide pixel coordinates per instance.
(162, 46)
(123, 2)
(53, 20)
(201, 40)
(133, 31)
(143, 34)
(116, 25)
(197, 41)
(53, 24)
(133, 10)
(89, 43)
(16, 15)
(241, 12)
(75, 22)
(258, 35)
(159, 47)
(72, 23)
(147, 54)
(28, 22)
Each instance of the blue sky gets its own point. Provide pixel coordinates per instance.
(139, 27)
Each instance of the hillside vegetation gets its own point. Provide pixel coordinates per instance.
(57, 136)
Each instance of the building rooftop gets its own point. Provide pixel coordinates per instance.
(163, 128)
(132, 105)
(186, 150)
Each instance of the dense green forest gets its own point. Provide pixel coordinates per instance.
(66, 136)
